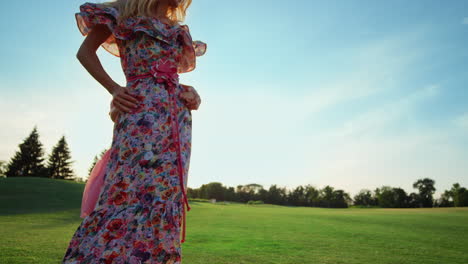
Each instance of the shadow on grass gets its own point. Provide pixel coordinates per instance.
(25, 195)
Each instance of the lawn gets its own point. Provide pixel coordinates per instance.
(39, 216)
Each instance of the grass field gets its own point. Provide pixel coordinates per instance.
(39, 216)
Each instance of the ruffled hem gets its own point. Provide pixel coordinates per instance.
(143, 227)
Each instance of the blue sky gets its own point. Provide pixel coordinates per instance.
(353, 94)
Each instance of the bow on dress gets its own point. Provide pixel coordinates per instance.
(165, 71)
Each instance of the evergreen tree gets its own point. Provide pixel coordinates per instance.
(28, 161)
(95, 160)
(3, 168)
(59, 163)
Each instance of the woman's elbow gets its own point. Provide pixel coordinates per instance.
(82, 52)
(78, 55)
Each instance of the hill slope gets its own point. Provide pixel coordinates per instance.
(38, 195)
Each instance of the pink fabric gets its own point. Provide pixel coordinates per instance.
(94, 185)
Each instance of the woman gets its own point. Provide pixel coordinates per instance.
(140, 213)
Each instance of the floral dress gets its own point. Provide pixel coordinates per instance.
(140, 213)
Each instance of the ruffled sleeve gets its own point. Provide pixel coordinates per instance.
(190, 50)
(92, 14)
(200, 47)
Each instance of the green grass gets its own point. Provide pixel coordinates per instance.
(39, 216)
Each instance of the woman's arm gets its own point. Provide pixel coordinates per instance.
(89, 59)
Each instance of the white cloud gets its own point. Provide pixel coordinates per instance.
(377, 66)
(376, 120)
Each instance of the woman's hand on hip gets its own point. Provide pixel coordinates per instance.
(190, 96)
(114, 113)
(123, 100)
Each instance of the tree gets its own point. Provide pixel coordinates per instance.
(400, 197)
(327, 196)
(95, 160)
(389, 197)
(230, 194)
(3, 168)
(385, 197)
(340, 199)
(312, 195)
(298, 196)
(276, 195)
(28, 161)
(414, 201)
(331, 198)
(459, 195)
(445, 200)
(212, 190)
(59, 163)
(426, 190)
(364, 197)
(252, 187)
(463, 197)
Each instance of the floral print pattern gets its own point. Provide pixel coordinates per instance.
(140, 210)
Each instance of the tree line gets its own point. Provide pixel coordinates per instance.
(28, 161)
(329, 197)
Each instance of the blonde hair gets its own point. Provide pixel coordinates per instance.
(128, 8)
